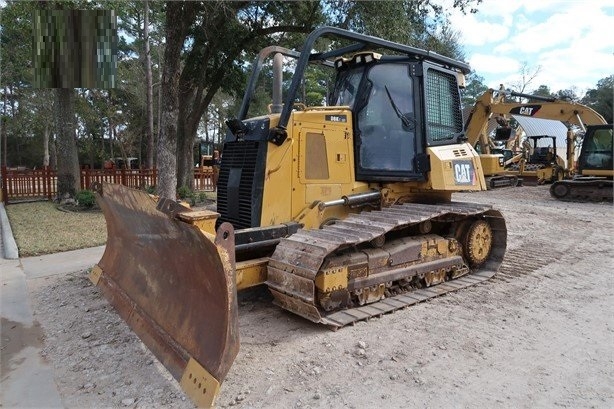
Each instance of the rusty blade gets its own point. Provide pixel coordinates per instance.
(172, 283)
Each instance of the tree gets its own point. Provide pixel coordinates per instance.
(601, 98)
(149, 89)
(567, 94)
(474, 89)
(527, 75)
(73, 49)
(221, 34)
(213, 42)
(68, 161)
(543, 90)
(178, 18)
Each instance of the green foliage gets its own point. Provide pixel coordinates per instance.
(85, 198)
(601, 98)
(567, 95)
(184, 193)
(543, 90)
(219, 39)
(474, 89)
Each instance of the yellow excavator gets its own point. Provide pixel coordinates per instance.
(344, 211)
(495, 165)
(594, 172)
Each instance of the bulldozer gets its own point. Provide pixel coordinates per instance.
(501, 171)
(344, 211)
(595, 169)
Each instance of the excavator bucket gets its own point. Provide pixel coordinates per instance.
(173, 284)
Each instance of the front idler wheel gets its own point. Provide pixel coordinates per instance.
(477, 243)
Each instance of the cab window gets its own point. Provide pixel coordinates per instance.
(386, 122)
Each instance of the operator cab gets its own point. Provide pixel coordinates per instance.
(386, 98)
(597, 153)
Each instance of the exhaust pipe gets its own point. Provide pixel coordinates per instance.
(278, 60)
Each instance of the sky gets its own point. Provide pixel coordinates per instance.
(570, 41)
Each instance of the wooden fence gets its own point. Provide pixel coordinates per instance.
(29, 184)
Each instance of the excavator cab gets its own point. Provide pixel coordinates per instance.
(596, 153)
(594, 179)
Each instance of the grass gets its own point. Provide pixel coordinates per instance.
(40, 228)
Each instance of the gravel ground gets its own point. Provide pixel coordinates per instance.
(537, 335)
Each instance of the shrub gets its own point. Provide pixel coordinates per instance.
(85, 198)
(184, 193)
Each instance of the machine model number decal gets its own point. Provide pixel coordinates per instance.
(464, 173)
(336, 118)
(527, 110)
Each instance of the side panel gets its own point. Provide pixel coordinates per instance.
(277, 190)
(455, 168)
(323, 166)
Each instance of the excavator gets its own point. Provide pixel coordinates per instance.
(595, 170)
(495, 165)
(344, 211)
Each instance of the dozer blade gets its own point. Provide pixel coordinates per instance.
(174, 285)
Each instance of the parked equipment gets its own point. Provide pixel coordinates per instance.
(595, 170)
(500, 171)
(344, 211)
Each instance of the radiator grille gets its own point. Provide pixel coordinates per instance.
(236, 199)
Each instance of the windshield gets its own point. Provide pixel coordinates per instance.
(387, 124)
(597, 150)
(347, 87)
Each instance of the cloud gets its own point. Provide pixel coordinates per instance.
(571, 41)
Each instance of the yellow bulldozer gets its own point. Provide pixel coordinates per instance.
(344, 211)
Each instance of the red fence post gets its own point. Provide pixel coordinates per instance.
(88, 178)
(5, 196)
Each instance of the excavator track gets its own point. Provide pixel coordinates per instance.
(585, 189)
(376, 262)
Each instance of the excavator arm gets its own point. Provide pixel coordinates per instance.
(493, 102)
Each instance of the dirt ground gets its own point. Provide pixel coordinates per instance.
(538, 335)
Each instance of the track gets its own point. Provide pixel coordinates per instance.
(582, 190)
(303, 258)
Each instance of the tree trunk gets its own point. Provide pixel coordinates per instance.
(186, 135)
(53, 154)
(68, 161)
(177, 19)
(46, 146)
(111, 138)
(149, 91)
(3, 130)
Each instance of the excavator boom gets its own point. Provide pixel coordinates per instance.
(494, 104)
